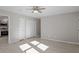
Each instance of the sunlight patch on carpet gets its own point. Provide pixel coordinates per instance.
(23, 47)
(34, 42)
(42, 46)
(32, 50)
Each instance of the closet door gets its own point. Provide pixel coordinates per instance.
(30, 28)
(27, 28)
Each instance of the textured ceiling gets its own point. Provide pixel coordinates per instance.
(50, 10)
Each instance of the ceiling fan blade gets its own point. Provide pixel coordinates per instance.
(39, 11)
(41, 8)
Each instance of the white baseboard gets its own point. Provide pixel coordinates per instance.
(76, 43)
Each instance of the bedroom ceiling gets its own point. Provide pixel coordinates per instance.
(50, 10)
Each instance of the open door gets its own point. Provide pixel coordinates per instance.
(4, 29)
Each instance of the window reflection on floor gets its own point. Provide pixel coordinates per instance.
(34, 42)
(24, 47)
(31, 49)
(42, 47)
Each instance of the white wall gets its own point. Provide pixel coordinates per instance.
(60, 27)
(18, 25)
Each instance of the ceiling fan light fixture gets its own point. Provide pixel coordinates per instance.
(35, 11)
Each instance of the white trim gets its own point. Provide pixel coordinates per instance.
(9, 30)
(76, 43)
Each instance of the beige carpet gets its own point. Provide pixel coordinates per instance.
(36, 45)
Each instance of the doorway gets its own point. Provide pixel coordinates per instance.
(4, 29)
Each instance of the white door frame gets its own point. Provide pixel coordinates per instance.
(8, 27)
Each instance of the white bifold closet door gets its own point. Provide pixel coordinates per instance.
(31, 30)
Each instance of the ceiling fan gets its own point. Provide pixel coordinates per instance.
(37, 9)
